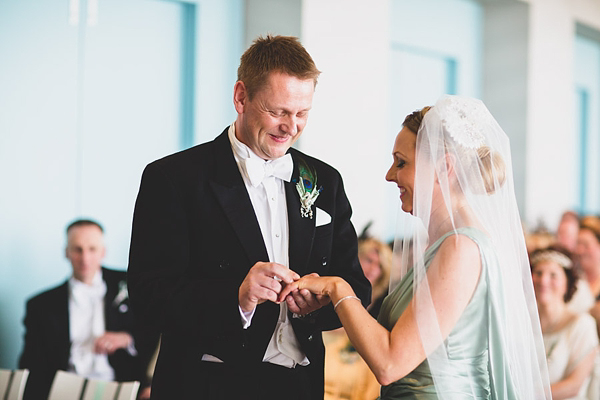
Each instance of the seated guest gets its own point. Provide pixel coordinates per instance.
(567, 231)
(590, 221)
(84, 325)
(375, 259)
(570, 339)
(566, 236)
(538, 239)
(588, 256)
(347, 376)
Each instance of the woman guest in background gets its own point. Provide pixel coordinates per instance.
(588, 253)
(538, 239)
(570, 339)
(462, 323)
(347, 376)
(376, 261)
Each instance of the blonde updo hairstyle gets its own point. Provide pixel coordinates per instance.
(493, 169)
(491, 164)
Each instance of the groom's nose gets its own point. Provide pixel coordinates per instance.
(290, 125)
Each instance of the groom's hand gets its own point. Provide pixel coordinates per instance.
(264, 282)
(304, 302)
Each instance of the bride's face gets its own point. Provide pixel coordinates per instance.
(402, 171)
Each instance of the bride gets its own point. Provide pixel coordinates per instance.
(461, 323)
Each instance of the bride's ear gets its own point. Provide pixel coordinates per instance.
(450, 160)
(447, 164)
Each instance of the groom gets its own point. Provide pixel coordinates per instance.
(220, 228)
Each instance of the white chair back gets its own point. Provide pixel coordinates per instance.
(100, 390)
(5, 377)
(69, 386)
(128, 390)
(12, 383)
(66, 386)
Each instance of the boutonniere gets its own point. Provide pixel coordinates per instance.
(121, 296)
(307, 189)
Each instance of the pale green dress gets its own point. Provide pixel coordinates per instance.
(473, 347)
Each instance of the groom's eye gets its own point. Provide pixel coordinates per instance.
(276, 113)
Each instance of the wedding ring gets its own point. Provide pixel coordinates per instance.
(278, 279)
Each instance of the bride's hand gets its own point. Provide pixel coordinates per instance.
(320, 286)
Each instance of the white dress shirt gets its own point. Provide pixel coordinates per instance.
(86, 324)
(269, 203)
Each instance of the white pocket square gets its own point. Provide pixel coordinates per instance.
(322, 217)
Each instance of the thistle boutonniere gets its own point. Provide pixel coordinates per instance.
(121, 296)
(307, 189)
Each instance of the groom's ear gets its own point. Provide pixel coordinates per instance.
(240, 96)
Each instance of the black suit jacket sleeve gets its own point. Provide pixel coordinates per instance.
(165, 286)
(46, 345)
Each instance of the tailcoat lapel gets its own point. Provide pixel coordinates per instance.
(302, 230)
(231, 193)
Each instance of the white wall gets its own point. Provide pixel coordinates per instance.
(349, 124)
(551, 135)
(550, 187)
(505, 71)
(283, 17)
(82, 110)
(219, 47)
(585, 11)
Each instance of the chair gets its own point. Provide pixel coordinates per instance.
(100, 390)
(128, 390)
(69, 386)
(12, 383)
(66, 386)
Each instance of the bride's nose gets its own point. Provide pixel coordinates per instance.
(390, 176)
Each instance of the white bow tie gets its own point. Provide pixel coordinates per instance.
(257, 169)
(83, 292)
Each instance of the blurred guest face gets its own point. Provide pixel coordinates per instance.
(274, 119)
(371, 265)
(588, 252)
(566, 234)
(85, 250)
(402, 171)
(549, 282)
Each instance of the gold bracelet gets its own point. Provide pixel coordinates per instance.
(345, 298)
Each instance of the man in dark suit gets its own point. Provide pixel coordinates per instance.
(84, 325)
(220, 228)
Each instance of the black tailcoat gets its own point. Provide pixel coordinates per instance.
(195, 236)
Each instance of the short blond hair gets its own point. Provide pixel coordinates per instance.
(275, 53)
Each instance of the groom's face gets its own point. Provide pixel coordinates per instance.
(275, 118)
